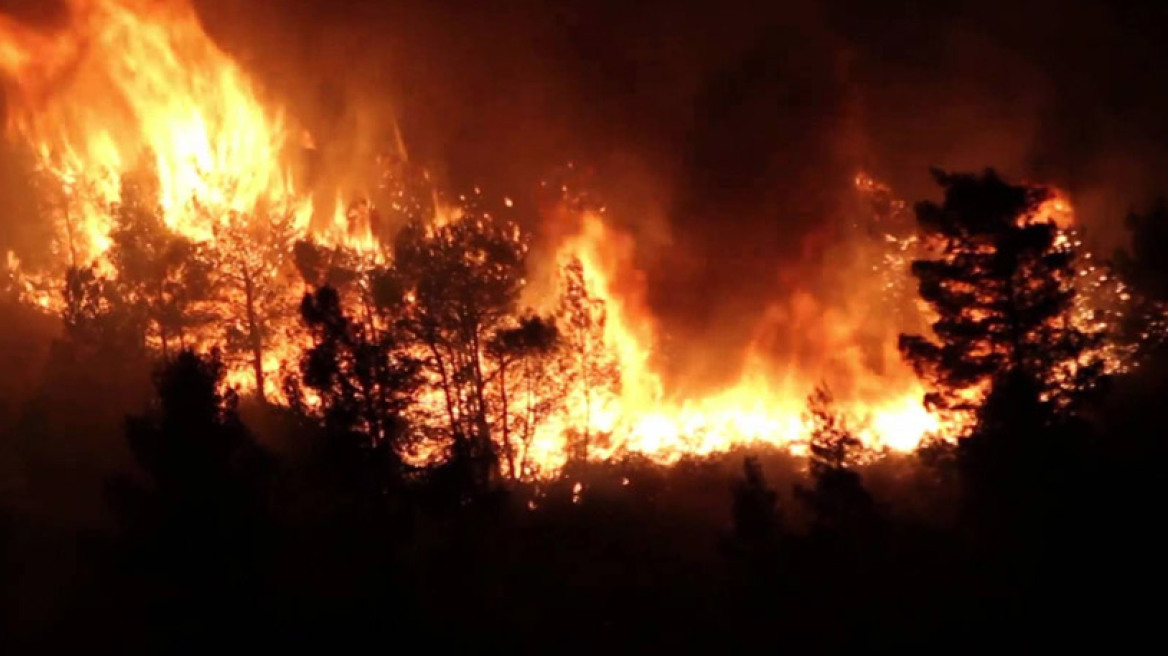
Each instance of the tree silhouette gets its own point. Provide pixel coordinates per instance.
(1001, 282)
(194, 525)
(1008, 349)
(365, 285)
(838, 502)
(756, 508)
(198, 455)
(590, 365)
(161, 274)
(364, 382)
(759, 551)
(458, 285)
(527, 389)
(96, 316)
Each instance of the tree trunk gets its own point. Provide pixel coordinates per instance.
(254, 336)
(588, 382)
(162, 322)
(484, 426)
(446, 391)
(510, 452)
(69, 235)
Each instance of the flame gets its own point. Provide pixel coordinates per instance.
(122, 86)
(767, 402)
(1056, 209)
(131, 79)
(120, 82)
(766, 405)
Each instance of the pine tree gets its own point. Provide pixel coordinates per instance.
(365, 384)
(458, 284)
(1001, 285)
(838, 502)
(251, 261)
(527, 389)
(590, 366)
(160, 273)
(756, 508)
(195, 526)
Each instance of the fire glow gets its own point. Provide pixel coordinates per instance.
(128, 83)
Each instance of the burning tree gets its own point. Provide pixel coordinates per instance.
(459, 284)
(364, 381)
(163, 276)
(94, 314)
(528, 392)
(591, 365)
(1001, 285)
(249, 256)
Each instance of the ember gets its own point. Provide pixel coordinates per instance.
(203, 243)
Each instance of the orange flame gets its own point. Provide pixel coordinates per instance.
(124, 80)
(638, 415)
(131, 79)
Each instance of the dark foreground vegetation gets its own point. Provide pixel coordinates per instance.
(242, 525)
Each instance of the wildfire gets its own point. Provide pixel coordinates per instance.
(129, 84)
(766, 405)
(119, 87)
(125, 80)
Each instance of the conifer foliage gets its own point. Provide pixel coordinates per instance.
(1000, 279)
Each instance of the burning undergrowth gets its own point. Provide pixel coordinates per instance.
(173, 194)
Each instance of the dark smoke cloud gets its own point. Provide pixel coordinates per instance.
(733, 129)
(1067, 93)
(727, 133)
(735, 125)
(44, 13)
(1045, 86)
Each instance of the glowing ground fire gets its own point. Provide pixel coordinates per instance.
(132, 84)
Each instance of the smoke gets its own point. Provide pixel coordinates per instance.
(44, 13)
(723, 135)
(1051, 92)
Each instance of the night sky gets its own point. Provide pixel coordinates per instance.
(719, 101)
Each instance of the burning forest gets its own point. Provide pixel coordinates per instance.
(171, 211)
(178, 201)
